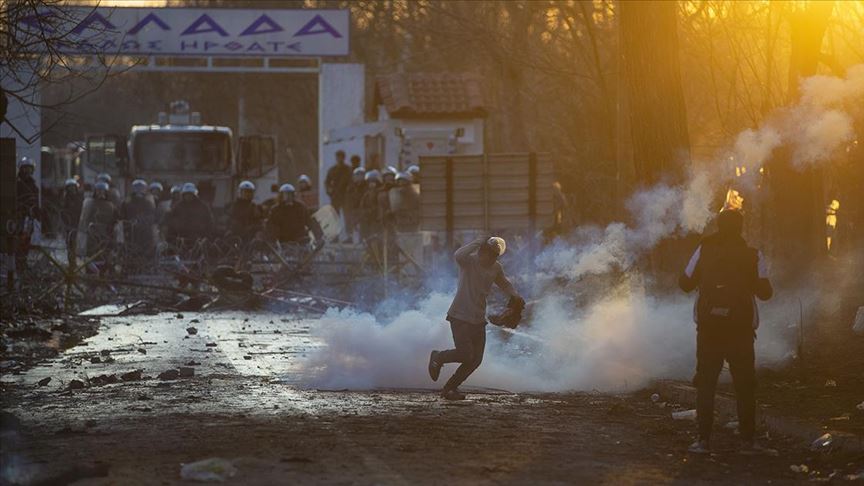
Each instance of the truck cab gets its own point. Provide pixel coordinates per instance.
(178, 149)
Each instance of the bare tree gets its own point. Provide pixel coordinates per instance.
(36, 39)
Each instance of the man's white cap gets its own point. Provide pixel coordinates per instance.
(497, 244)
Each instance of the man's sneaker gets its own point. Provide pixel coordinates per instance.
(751, 448)
(453, 394)
(434, 366)
(699, 447)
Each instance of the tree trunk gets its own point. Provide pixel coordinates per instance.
(658, 116)
(797, 195)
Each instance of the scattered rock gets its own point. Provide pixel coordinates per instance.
(131, 376)
(211, 345)
(104, 380)
(194, 321)
(193, 363)
(76, 385)
(95, 360)
(179, 316)
(192, 331)
(186, 372)
(169, 375)
(44, 381)
(247, 357)
(105, 352)
(208, 470)
(142, 350)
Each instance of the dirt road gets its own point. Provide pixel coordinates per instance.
(244, 403)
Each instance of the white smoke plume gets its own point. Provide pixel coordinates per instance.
(657, 213)
(814, 129)
(624, 339)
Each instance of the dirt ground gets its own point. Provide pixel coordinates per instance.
(245, 403)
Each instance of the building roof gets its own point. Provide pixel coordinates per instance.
(430, 95)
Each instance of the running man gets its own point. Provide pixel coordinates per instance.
(478, 270)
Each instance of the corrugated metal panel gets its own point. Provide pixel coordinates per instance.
(504, 191)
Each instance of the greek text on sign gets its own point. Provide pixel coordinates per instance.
(192, 31)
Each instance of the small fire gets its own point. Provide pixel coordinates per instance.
(734, 201)
(831, 221)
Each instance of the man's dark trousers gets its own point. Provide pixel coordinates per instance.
(715, 344)
(470, 341)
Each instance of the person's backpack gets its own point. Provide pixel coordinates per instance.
(726, 284)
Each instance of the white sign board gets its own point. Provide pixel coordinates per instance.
(189, 31)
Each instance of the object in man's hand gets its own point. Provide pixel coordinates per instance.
(512, 314)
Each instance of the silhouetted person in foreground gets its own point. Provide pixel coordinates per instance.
(730, 276)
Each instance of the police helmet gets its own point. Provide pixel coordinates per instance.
(26, 162)
(156, 186)
(403, 176)
(247, 185)
(359, 171)
(101, 186)
(139, 185)
(189, 188)
(413, 169)
(104, 177)
(373, 175)
(304, 179)
(71, 182)
(176, 189)
(286, 188)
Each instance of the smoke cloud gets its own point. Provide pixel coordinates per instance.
(624, 338)
(814, 129)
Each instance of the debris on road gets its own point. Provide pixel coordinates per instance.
(802, 469)
(213, 470)
(76, 385)
(131, 376)
(684, 415)
(823, 442)
(191, 331)
(169, 375)
(186, 372)
(44, 381)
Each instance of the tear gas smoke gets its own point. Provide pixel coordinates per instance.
(814, 129)
(624, 338)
